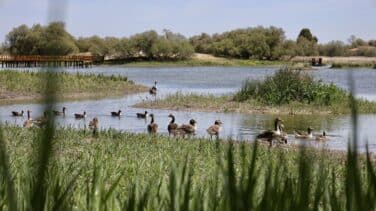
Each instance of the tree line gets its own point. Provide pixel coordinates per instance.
(53, 39)
(266, 43)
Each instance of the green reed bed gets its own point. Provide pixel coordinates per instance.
(123, 171)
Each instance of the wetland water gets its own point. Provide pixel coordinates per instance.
(218, 81)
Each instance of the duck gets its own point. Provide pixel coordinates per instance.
(29, 121)
(152, 127)
(60, 113)
(172, 126)
(94, 125)
(114, 113)
(16, 113)
(303, 135)
(215, 129)
(321, 137)
(80, 116)
(153, 90)
(188, 129)
(142, 115)
(271, 135)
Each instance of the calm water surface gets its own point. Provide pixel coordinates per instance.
(218, 81)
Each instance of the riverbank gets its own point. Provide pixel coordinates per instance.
(340, 62)
(23, 86)
(226, 103)
(202, 60)
(298, 62)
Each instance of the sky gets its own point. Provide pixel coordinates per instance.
(327, 19)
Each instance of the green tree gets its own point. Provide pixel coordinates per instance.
(333, 48)
(56, 41)
(306, 33)
(144, 41)
(306, 47)
(16, 41)
(202, 43)
(49, 40)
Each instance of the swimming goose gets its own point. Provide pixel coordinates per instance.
(94, 125)
(142, 115)
(172, 126)
(215, 129)
(59, 113)
(188, 129)
(303, 135)
(271, 135)
(29, 121)
(80, 116)
(153, 90)
(16, 113)
(321, 137)
(152, 127)
(114, 113)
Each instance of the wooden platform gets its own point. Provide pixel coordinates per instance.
(9, 61)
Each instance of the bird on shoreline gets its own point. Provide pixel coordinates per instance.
(60, 113)
(80, 116)
(271, 135)
(152, 127)
(172, 126)
(116, 114)
(304, 135)
(42, 121)
(153, 90)
(142, 115)
(188, 129)
(94, 125)
(29, 121)
(215, 129)
(16, 113)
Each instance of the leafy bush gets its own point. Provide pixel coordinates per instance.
(288, 86)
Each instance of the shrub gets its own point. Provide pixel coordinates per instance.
(287, 86)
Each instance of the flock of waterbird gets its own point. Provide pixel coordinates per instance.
(185, 130)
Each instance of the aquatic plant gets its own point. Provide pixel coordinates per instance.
(287, 86)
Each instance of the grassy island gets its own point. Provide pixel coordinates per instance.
(18, 86)
(287, 91)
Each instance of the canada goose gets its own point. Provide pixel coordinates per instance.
(283, 135)
(303, 135)
(80, 116)
(94, 125)
(188, 129)
(59, 113)
(215, 129)
(321, 137)
(271, 135)
(16, 113)
(152, 127)
(114, 113)
(28, 122)
(153, 90)
(40, 122)
(142, 115)
(172, 126)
